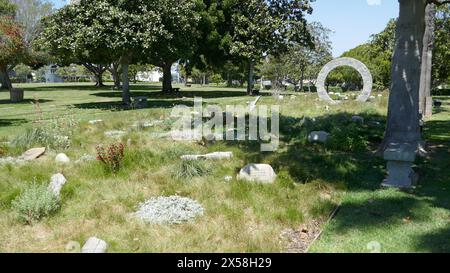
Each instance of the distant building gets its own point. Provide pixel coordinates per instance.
(156, 75)
(51, 76)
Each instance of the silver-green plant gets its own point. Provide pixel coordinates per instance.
(53, 134)
(35, 202)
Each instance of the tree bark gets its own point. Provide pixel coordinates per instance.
(114, 69)
(427, 60)
(403, 118)
(126, 96)
(229, 80)
(4, 78)
(167, 77)
(302, 78)
(250, 77)
(97, 70)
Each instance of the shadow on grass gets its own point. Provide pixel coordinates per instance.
(25, 101)
(347, 158)
(118, 105)
(383, 210)
(12, 122)
(189, 94)
(355, 167)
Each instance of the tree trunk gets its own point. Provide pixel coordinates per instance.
(427, 60)
(97, 70)
(403, 118)
(229, 80)
(250, 77)
(302, 78)
(126, 96)
(4, 79)
(167, 77)
(99, 79)
(114, 69)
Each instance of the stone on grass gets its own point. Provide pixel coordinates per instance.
(213, 156)
(33, 153)
(94, 245)
(169, 210)
(358, 119)
(115, 134)
(262, 173)
(96, 121)
(318, 137)
(228, 178)
(144, 124)
(62, 158)
(400, 158)
(57, 181)
(86, 158)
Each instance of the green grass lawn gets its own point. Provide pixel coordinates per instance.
(239, 217)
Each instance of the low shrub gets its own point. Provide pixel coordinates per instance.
(111, 156)
(192, 168)
(55, 134)
(35, 203)
(3, 149)
(347, 139)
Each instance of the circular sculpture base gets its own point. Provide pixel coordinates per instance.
(359, 66)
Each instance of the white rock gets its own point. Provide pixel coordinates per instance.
(318, 136)
(262, 173)
(62, 158)
(57, 181)
(33, 153)
(86, 158)
(94, 245)
(358, 119)
(142, 124)
(96, 121)
(116, 134)
(213, 156)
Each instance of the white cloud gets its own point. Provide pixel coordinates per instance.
(373, 2)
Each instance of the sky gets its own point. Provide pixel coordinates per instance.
(352, 21)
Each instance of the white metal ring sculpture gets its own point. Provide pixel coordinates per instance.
(359, 66)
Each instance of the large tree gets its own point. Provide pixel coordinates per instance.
(178, 36)
(12, 47)
(100, 33)
(403, 110)
(261, 27)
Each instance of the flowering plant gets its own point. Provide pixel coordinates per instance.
(111, 156)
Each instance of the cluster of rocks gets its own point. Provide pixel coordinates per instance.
(169, 210)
